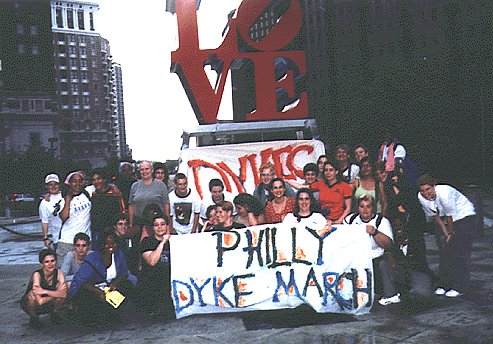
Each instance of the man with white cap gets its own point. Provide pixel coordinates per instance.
(49, 208)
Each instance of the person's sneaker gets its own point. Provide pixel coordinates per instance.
(453, 293)
(384, 301)
(440, 291)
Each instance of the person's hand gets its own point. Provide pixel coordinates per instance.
(327, 229)
(371, 230)
(166, 237)
(112, 286)
(37, 290)
(338, 221)
(101, 295)
(447, 237)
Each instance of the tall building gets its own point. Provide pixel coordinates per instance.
(84, 83)
(28, 113)
(122, 148)
(57, 90)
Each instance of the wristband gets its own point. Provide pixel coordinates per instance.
(374, 234)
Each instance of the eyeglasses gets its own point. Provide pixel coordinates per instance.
(80, 245)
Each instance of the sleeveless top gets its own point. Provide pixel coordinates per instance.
(43, 282)
(360, 192)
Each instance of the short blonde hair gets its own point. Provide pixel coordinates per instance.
(268, 165)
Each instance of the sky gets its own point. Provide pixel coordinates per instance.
(142, 36)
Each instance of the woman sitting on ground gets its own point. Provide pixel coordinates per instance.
(249, 210)
(46, 291)
(105, 268)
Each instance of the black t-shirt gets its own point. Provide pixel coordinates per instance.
(150, 243)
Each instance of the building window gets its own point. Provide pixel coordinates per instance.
(34, 139)
(21, 48)
(35, 49)
(85, 100)
(91, 20)
(71, 38)
(74, 88)
(70, 19)
(39, 106)
(82, 51)
(83, 63)
(25, 105)
(20, 28)
(93, 63)
(59, 19)
(93, 50)
(73, 63)
(80, 17)
(72, 50)
(34, 30)
(82, 39)
(83, 75)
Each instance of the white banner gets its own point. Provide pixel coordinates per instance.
(272, 267)
(237, 164)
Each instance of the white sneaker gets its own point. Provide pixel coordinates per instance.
(453, 293)
(440, 291)
(384, 301)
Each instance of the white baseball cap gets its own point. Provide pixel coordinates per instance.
(52, 178)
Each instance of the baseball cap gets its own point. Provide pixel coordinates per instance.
(52, 178)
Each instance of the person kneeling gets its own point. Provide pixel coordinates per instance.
(380, 231)
(46, 291)
(102, 272)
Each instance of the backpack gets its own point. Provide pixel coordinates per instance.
(355, 215)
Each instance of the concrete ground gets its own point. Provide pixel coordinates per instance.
(466, 319)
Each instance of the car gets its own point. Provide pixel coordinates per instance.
(22, 197)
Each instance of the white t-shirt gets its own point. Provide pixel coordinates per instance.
(399, 152)
(448, 202)
(49, 215)
(183, 211)
(354, 169)
(79, 219)
(315, 221)
(384, 227)
(207, 201)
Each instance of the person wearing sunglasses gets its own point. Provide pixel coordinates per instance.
(74, 259)
(49, 207)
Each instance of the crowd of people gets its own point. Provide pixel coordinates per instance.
(107, 239)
